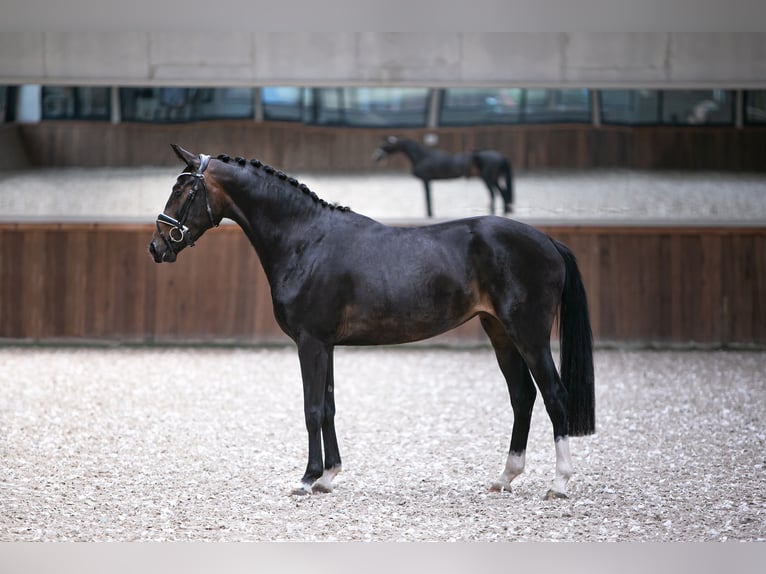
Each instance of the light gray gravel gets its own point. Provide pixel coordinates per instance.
(611, 195)
(205, 444)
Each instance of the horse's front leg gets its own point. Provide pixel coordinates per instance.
(427, 188)
(315, 358)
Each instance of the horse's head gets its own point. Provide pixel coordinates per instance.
(190, 210)
(391, 144)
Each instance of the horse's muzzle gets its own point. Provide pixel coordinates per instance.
(378, 154)
(160, 252)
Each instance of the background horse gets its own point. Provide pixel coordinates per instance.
(340, 278)
(430, 163)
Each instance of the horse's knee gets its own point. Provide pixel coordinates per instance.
(314, 419)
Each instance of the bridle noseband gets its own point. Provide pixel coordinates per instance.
(178, 232)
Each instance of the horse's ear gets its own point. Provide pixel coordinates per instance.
(187, 157)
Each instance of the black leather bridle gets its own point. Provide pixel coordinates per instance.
(178, 232)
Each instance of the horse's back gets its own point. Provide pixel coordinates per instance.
(369, 283)
(514, 245)
(438, 164)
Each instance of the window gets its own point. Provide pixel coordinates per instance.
(287, 104)
(176, 104)
(755, 107)
(467, 106)
(347, 106)
(328, 106)
(67, 103)
(670, 107)
(470, 106)
(395, 107)
(543, 106)
(697, 107)
(385, 106)
(630, 107)
(3, 103)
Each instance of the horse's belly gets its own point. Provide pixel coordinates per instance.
(403, 322)
(391, 331)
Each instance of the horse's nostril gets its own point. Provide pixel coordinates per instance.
(154, 252)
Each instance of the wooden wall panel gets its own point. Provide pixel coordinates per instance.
(654, 285)
(744, 274)
(298, 147)
(14, 155)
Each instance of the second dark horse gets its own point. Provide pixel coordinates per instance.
(431, 163)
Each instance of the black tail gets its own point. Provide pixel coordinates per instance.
(576, 349)
(492, 166)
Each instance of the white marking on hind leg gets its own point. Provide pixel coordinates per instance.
(563, 469)
(302, 489)
(324, 482)
(514, 466)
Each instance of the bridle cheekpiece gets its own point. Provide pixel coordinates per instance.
(179, 232)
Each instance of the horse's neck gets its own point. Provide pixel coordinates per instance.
(275, 216)
(413, 151)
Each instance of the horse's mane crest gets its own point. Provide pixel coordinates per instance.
(258, 164)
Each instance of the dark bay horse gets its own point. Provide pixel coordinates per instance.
(340, 278)
(431, 163)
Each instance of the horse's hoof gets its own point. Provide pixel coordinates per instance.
(301, 490)
(500, 487)
(553, 495)
(318, 487)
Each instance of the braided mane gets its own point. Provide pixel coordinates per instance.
(258, 164)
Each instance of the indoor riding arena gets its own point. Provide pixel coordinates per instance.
(146, 402)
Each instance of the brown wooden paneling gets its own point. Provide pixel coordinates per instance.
(673, 285)
(744, 278)
(12, 152)
(659, 285)
(299, 147)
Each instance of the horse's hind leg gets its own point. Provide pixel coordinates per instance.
(522, 393)
(540, 363)
(332, 463)
(487, 179)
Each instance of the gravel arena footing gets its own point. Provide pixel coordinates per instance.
(131, 444)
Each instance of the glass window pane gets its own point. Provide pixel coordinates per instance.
(179, 104)
(3, 103)
(630, 107)
(328, 109)
(542, 105)
(697, 107)
(221, 103)
(283, 103)
(468, 106)
(69, 103)
(385, 106)
(396, 107)
(755, 107)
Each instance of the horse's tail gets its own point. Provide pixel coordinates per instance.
(493, 165)
(576, 349)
